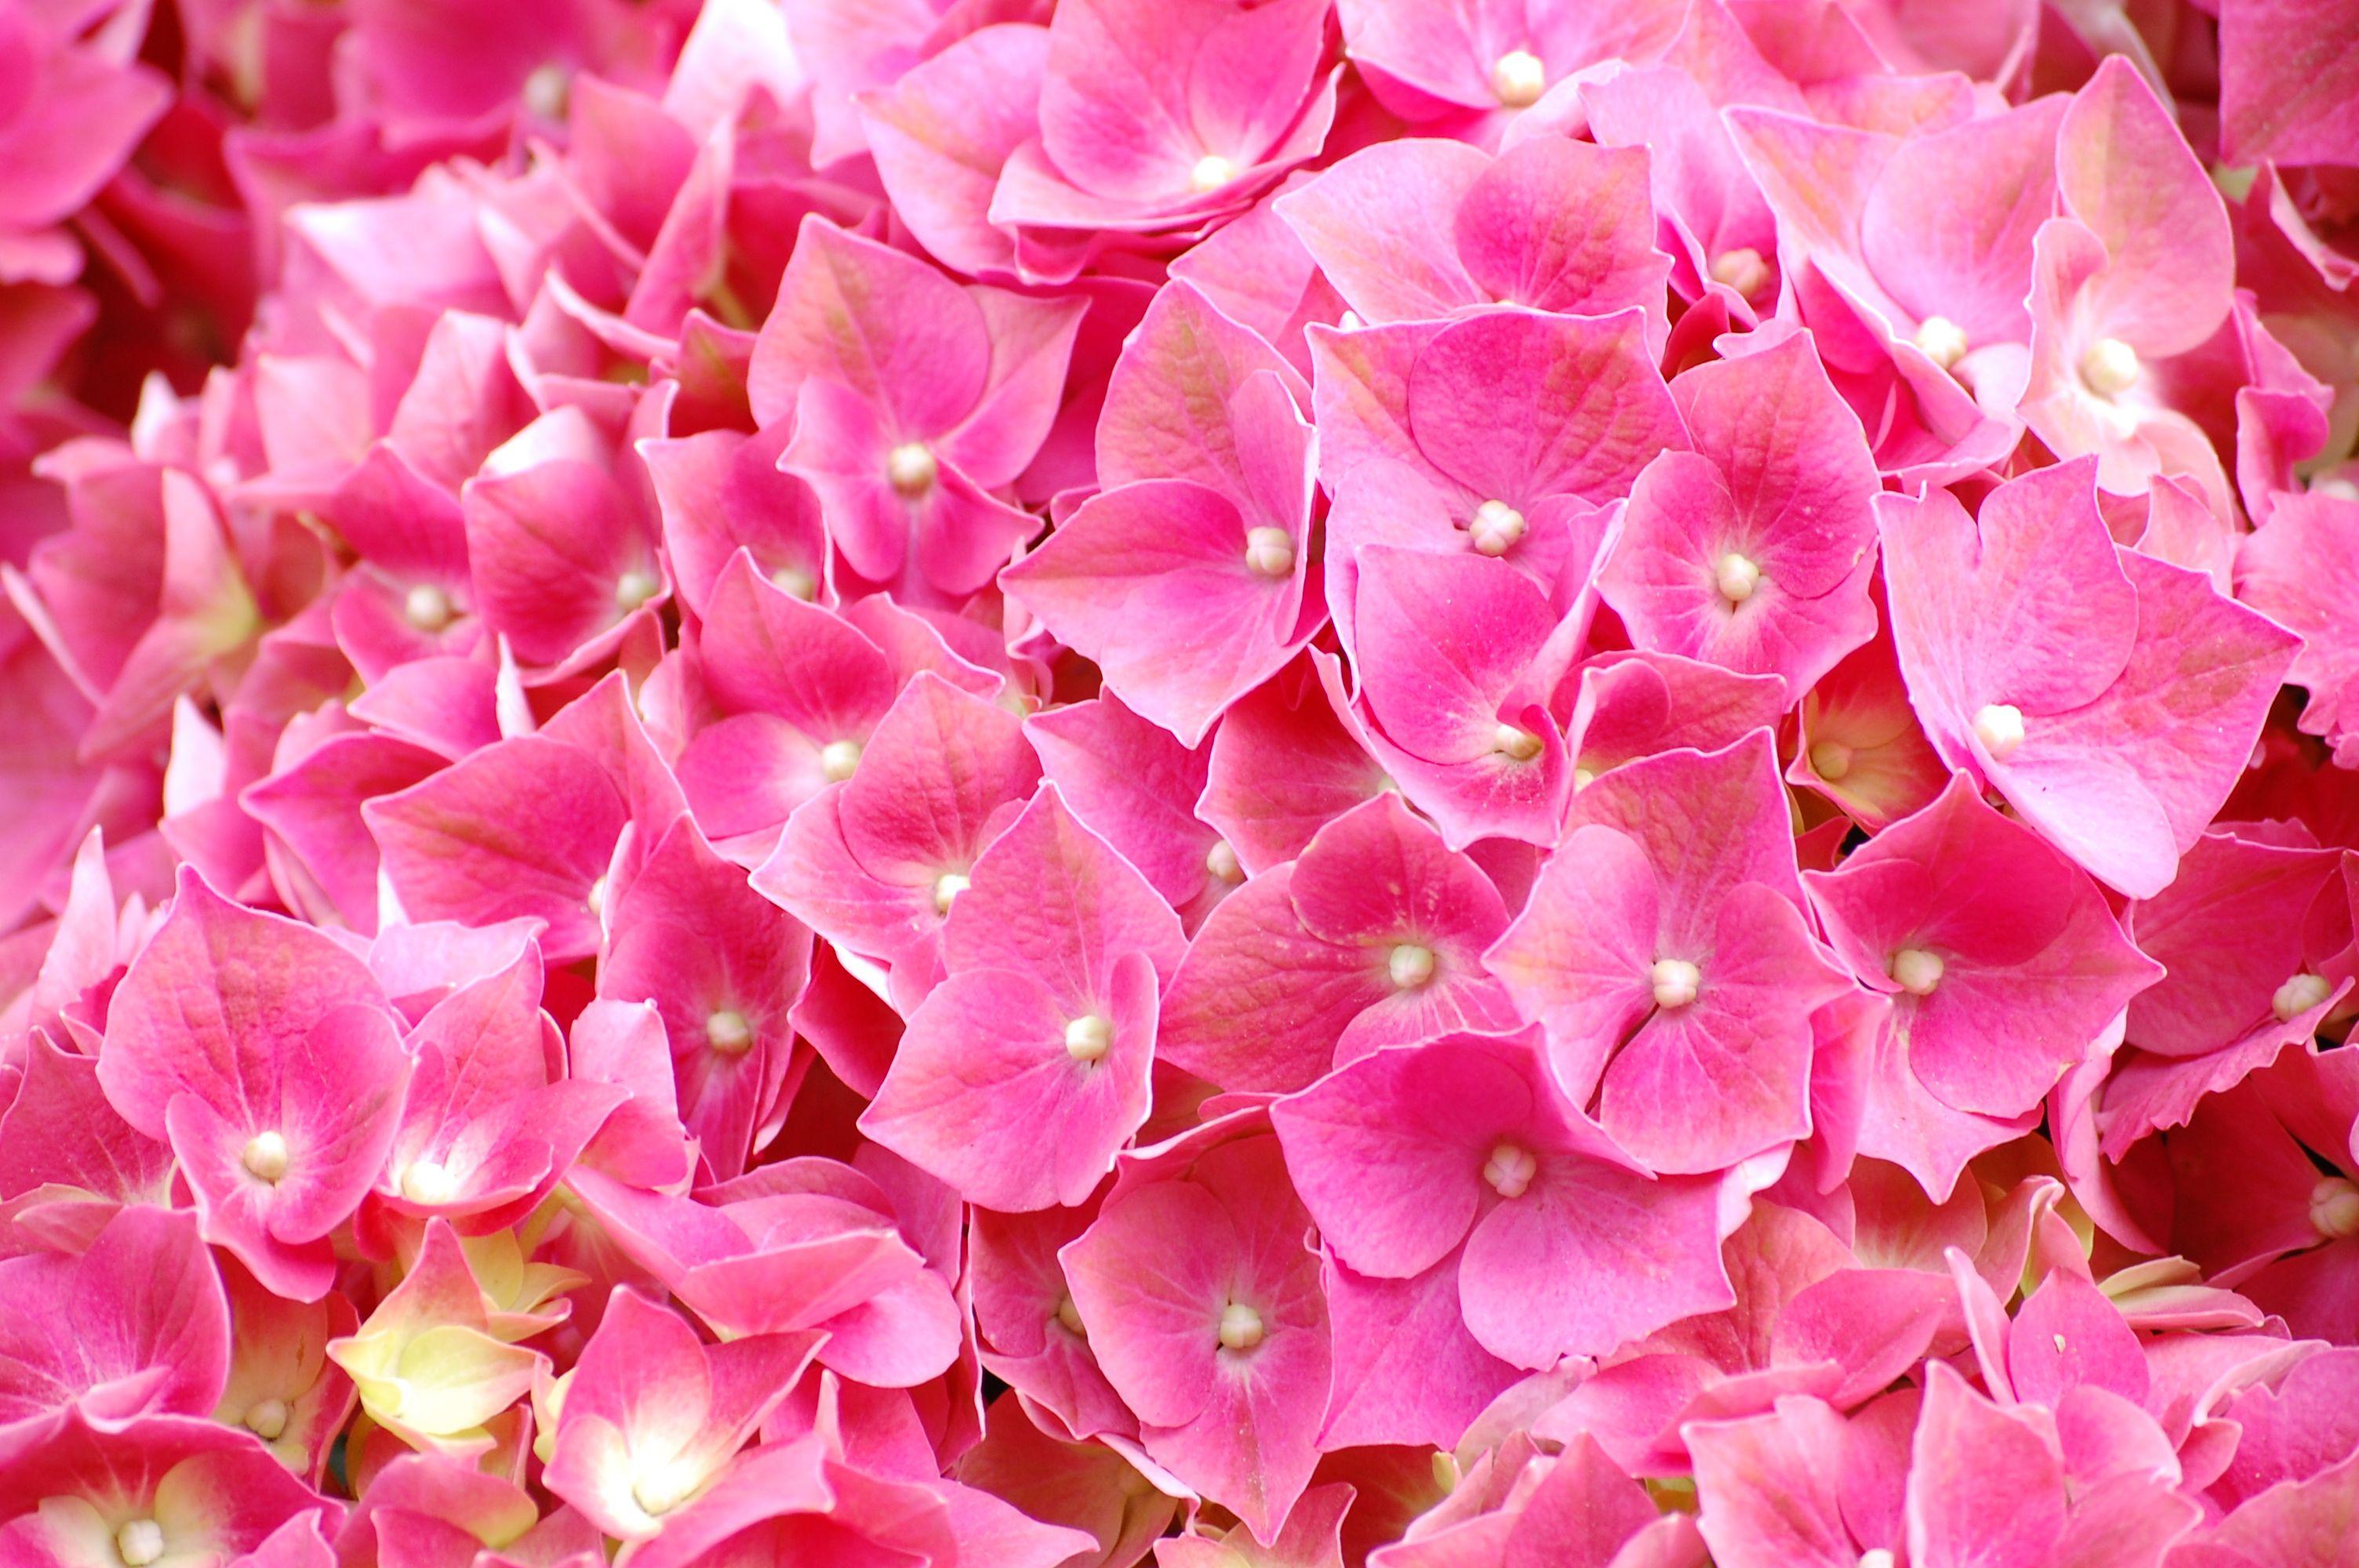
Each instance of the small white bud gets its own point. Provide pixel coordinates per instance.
(1999, 726)
(1088, 1038)
(1737, 577)
(1943, 340)
(1269, 552)
(2109, 366)
(1916, 970)
(838, 759)
(1520, 78)
(1409, 966)
(265, 1156)
(426, 608)
(911, 469)
(1676, 983)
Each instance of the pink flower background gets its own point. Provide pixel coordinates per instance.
(1240, 783)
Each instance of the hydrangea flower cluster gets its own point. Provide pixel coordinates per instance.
(1240, 783)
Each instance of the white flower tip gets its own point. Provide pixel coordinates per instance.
(947, 887)
(1220, 860)
(1269, 552)
(728, 1032)
(1741, 269)
(266, 1419)
(1088, 1038)
(2334, 1208)
(597, 897)
(265, 1156)
(547, 90)
(838, 759)
(1241, 1327)
(635, 587)
(1409, 966)
(426, 608)
(664, 1487)
(1999, 726)
(1830, 760)
(1510, 1170)
(911, 469)
(2336, 487)
(2109, 366)
(2298, 995)
(1516, 743)
(1676, 981)
(1583, 778)
(1211, 172)
(1520, 78)
(1876, 1557)
(796, 582)
(1943, 340)
(1494, 529)
(428, 1182)
(1069, 1316)
(139, 1541)
(1916, 971)
(1737, 577)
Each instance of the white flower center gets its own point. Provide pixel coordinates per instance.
(1520, 78)
(597, 897)
(426, 608)
(728, 1032)
(1510, 1170)
(1241, 1327)
(2334, 1208)
(798, 582)
(428, 1182)
(547, 90)
(1916, 971)
(2109, 366)
(265, 1156)
(1220, 860)
(1830, 760)
(1516, 743)
(1876, 1557)
(1088, 1038)
(1741, 269)
(1409, 966)
(139, 1542)
(1211, 172)
(1999, 726)
(1737, 577)
(2298, 995)
(1269, 552)
(1494, 528)
(1676, 981)
(665, 1488)
(266, 1419)
(1070, 1315)
(837, 760)
(911, 469)
(1943, 340)
(635, 587)
(947, 887)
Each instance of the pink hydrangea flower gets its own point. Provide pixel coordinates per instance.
(2109, 697)
(1374, 936)
(1664, 949)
